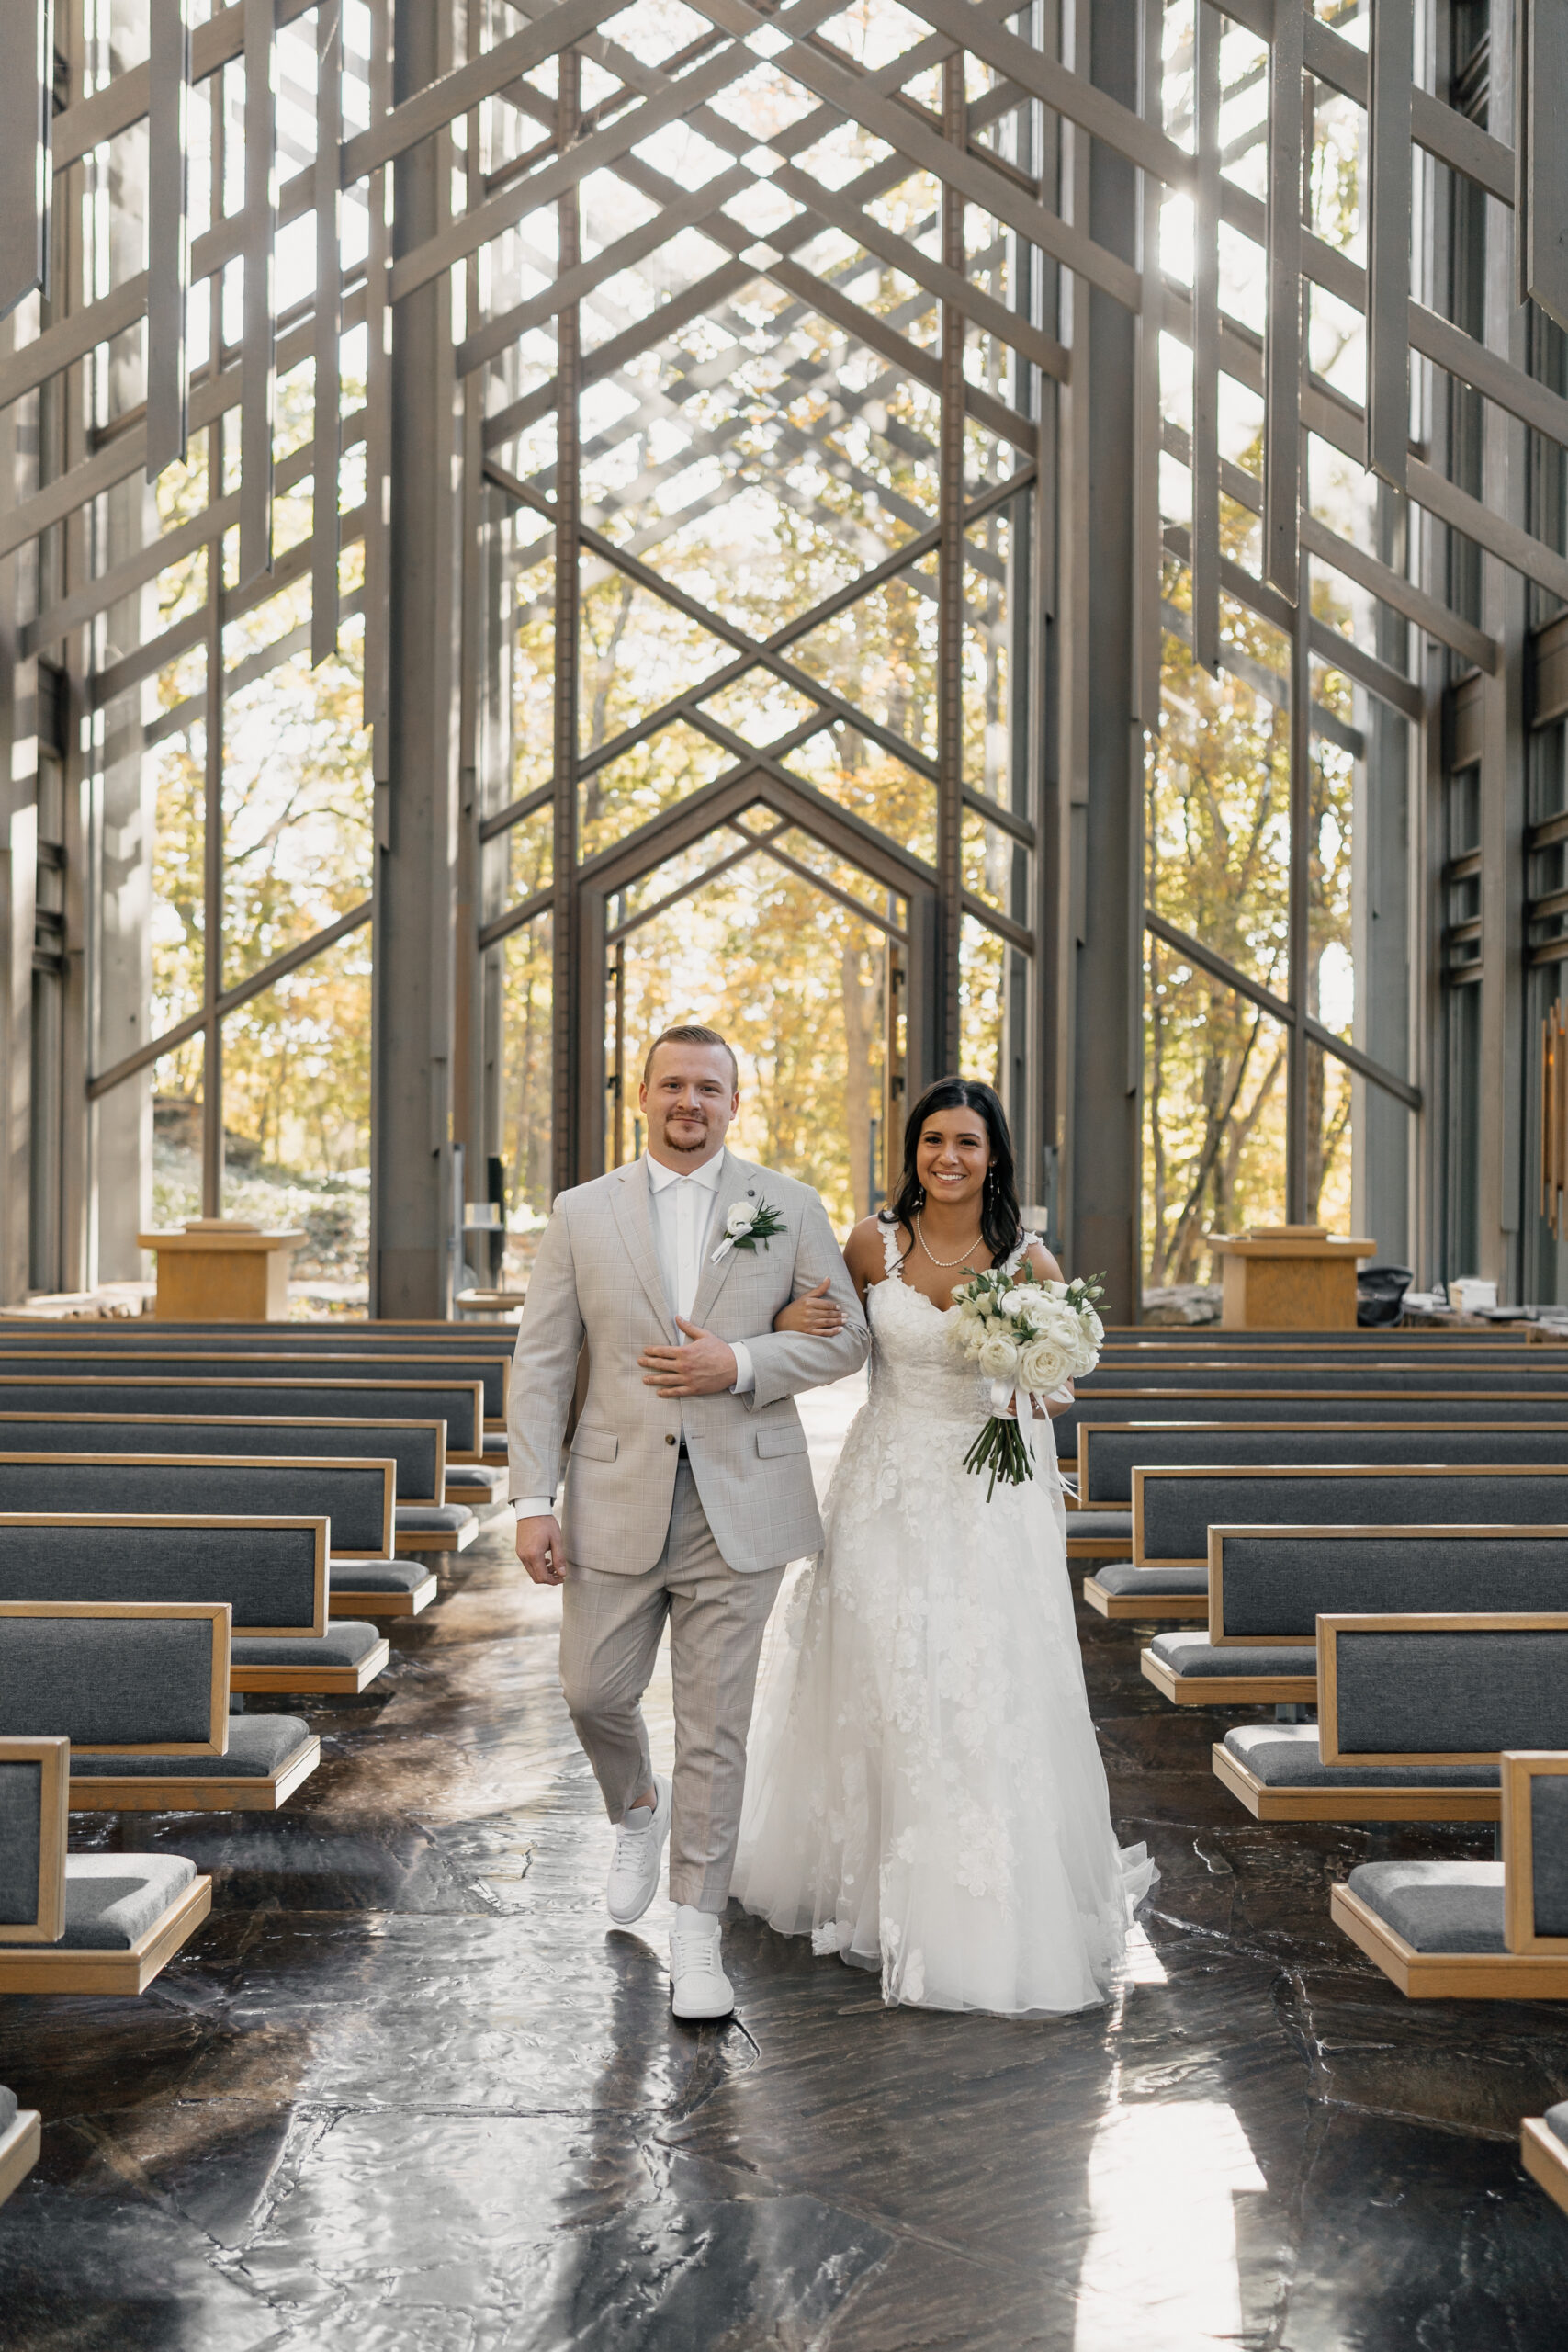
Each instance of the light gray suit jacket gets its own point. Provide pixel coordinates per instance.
(596, 1277)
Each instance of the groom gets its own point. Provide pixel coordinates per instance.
(688, 1484)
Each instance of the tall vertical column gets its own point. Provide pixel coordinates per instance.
(565, 1155)
(1101, 747)
(127, 809)
(414, 891)
(950, 599)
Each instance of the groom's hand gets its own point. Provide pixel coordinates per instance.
(704, 1367)
(540, 1549)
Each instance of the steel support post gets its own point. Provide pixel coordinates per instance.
(415, 878)
(950, 599)
(1101, 1140)
(571, 1109)
(1299, 906)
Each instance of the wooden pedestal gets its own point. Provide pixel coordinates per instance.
(217, 1273)
(1289, 1278)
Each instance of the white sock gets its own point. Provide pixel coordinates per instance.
(687, 1915)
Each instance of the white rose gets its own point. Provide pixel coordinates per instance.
(1042, 1366)
(1092, 1325)
(998, 1359)
(1013, 1301)
(739, 1219)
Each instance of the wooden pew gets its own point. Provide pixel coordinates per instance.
(1543, 2151)
(1378, 1752)
(458, 1403)
(1269, 1586)
(279, 1355)
(141, 1689)
(212, 1456)
(20, 2137)
(79, 1923)
(1111, 1453)
(1476, 1932)
(271, 1571)
(1174, 1507)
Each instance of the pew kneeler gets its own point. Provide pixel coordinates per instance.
(80, 1923)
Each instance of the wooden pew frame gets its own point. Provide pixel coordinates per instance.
(322, 1355)
(1330, 1628)
(1545, 2158)
(250, 1421)
(215, 1612)
(318, 1625)
(1308, 1426)
(1284, 1470)
(303, 1462)
(19, 2145)
(141, 1382)
(1522, 1767)
(52, 1756)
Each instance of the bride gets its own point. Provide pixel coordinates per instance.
(924, 1795)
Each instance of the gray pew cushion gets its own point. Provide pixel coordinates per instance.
(434, 1519)
(1461, 1692)
(481, 1482)
(1177, 1511)
(375, 1575)
(1557, 2120)
(1285, 1756)
(1549, 1853)
(1195, 1654)
(412, 1449)
(267, 1574)
(111, 1900)
(1122, 1579)
(1436, 1906)
(1276, 1585)
(347, 1643)
(259, 1746)
(352, 1499)
(495, 1442)
(21, 1793)
(107, 1678)
(1106, 1526)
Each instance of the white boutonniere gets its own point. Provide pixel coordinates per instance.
(747, 1223)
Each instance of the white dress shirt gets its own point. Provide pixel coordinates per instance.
(681, 1209)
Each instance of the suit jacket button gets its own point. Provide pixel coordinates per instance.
(669, 1440)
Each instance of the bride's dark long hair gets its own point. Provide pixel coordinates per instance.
(1000, 1221)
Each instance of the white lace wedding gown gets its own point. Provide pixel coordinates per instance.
(924, 1794)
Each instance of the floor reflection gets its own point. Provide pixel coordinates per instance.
(410, 2092)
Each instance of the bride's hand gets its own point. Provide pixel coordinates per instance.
(814, 1314)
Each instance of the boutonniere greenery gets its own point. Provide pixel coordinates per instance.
(748, 1223)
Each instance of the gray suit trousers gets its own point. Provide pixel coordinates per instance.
(611, 1627)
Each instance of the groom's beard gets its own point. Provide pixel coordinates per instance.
(690, 1141)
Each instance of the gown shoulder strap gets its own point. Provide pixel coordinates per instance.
(892, 1256)
(1020, 1250)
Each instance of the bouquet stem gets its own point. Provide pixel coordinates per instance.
(1000, 1449)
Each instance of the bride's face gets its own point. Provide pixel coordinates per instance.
(952, 1157)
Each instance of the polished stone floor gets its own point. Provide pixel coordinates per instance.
(408, 2092)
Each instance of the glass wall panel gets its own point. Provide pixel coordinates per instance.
(1214, 1117)
(296, 1119)
(526, 1107)
(797, 983)
(177, 1097)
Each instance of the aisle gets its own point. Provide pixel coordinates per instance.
(410, 2093)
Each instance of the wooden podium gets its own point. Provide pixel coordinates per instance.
(213, 1271)
(1288, 1277)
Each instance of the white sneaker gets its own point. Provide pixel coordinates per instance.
(639, 1847)
(700, 1989)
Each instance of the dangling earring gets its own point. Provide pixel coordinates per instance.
(920, 1197)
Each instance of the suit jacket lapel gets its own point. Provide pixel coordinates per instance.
(633, 1216)
(739, 1180)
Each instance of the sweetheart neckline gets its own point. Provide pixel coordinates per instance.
(913, 1291)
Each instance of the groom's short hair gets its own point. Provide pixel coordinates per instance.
(692, 1032)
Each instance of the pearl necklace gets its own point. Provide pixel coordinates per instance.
(945, 1263)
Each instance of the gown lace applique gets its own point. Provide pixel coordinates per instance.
(925, 1794)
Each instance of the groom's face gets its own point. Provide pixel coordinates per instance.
(688, 1100)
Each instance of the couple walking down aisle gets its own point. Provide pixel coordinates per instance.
(926, 1796)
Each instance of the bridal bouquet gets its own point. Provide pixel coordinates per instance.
(1027, 1338)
